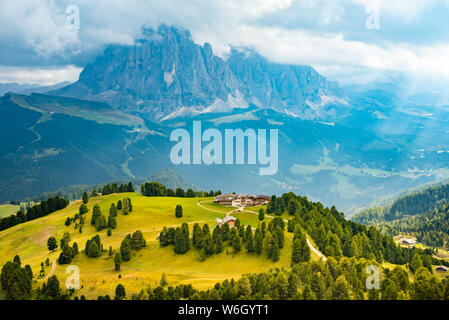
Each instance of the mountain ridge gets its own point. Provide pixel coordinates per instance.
(166, 71)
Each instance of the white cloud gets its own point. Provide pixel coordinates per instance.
(39, 76)
(38, 27)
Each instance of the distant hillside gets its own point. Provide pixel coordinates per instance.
(167, 177)
(45, 88)
(408, 205)
(430, 228)
(171, 179)
(15, 87)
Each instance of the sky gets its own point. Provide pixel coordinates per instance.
(350, 41)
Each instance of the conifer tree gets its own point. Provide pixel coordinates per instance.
(261, 214)
(117, 261)
(237, 243)
(85, 198)
(125, 249)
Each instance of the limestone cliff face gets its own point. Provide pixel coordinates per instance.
(165, 74)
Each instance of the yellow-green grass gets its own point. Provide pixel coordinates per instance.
(256, 208)
(249, 218)
(150, 215)
(8, 209)
(214, 206)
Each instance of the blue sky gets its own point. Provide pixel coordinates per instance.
(412, 40)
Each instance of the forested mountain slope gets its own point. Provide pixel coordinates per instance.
(408, 205)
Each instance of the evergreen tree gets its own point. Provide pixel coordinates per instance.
(261, 214)
(416, 262)
(83, 209)
(138, 241)
(178, 211)
(125, 249)
(120, 292)
(52, 244)
(53, 290)
(258, 242)
(66, 255)
(268, 244)
(113, 210)
(340, 289)
(117, 261)
(96, 213)
(85, 198)
(163, 281)
(93, 250)
(197, 236)
(275, 251)
(237, 243)
(119, 205)
(112, 222)
(280, 236)
(250, 243)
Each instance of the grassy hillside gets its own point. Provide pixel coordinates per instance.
(8, 209)
(150, 215)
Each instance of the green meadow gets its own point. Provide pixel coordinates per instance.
(150, 215)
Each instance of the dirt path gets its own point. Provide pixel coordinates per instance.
(52, 270)
(199, 204)
(318, 253)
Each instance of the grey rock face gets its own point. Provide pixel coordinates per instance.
(165, 73)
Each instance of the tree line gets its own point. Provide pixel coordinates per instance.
(343, 279)
(337, 237)
(37, 211)
(266, 239)
(156, 189)
(408, 205)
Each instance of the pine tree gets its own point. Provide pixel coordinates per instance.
(163, 281)
(250, 243)
(258, 242)
(237, 243)
(416, 262)
(119, 205)
(66, 255)
(261, 214)
(178, 211)
(96, 213)
(112, 222)
(280, 236)
(197, 236)
(120, 292)
(340, 289)
(83, 209)
(117, 261)
(296, 252)
(111, 252)
(53, 289)
(125, 249)
(113, 210)
(85, 198)
(268, 244)
(52, 244)
(218, 244)
(275, 250)
(138, 241)
(93, 250)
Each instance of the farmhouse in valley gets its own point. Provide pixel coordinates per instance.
(442, 268)
(241, 200)
(407, 242)
(230, 220)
